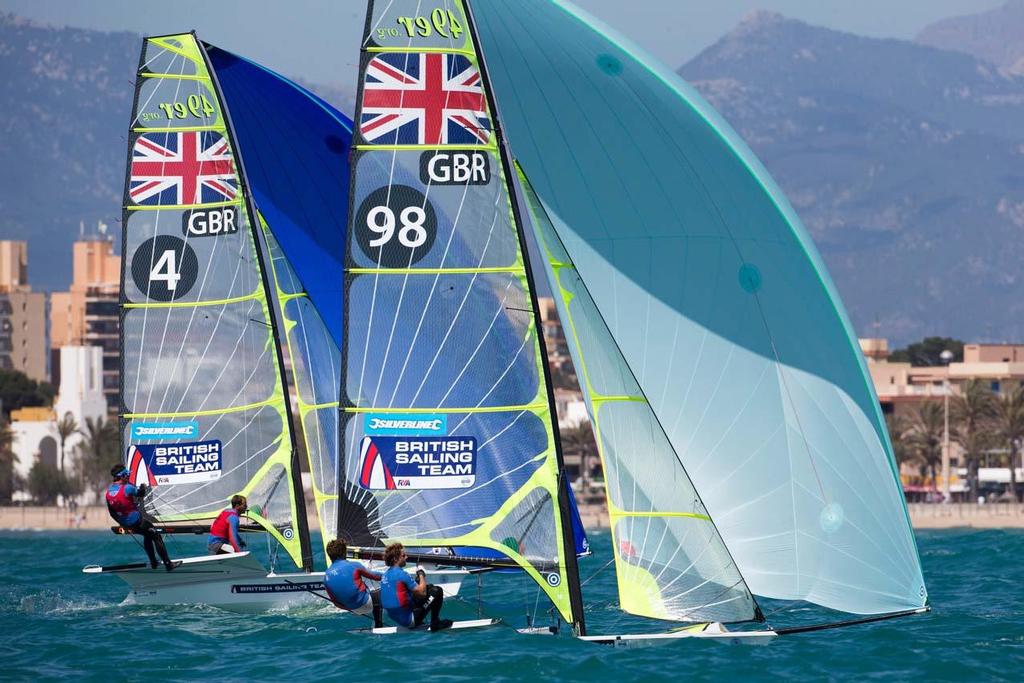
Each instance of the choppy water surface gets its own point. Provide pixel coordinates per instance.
(56, 622)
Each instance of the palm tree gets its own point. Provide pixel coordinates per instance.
(972, 411)
(926, 436)
(8, 458)
(899, 434)
(97, 450)
(66, 426)
(1009, 429)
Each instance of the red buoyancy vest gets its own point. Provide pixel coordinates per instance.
(120, 503)
(220, 527)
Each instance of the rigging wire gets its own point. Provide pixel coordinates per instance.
(605, 566)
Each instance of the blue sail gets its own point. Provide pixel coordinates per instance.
(296, 159)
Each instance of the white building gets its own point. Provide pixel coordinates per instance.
(571, 409)
(80, 395)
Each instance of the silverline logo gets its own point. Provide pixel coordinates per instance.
(185, 430)
(382, 423)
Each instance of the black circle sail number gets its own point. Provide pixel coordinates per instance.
(396, 226)
(165, 268)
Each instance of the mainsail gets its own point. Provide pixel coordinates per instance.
(721, 309)
(204, 411)
(448, 433)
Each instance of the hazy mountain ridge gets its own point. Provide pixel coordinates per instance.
(905, 162)
(67, 101)
(996, 36)
(66, 98)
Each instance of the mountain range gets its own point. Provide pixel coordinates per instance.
(905, 162)
(903, 158)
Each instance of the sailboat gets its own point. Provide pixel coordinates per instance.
(216, 318)
(745, 455)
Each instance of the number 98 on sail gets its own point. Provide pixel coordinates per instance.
(396, 226)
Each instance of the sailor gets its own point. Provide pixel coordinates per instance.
(224, 537)
(408, 601)
(346, 587)
(124, 508)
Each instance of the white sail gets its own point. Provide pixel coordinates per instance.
(715, 296)
(670, 560)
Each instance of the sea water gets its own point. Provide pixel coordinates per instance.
(56, 622)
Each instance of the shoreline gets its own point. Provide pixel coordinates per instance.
(595, 518)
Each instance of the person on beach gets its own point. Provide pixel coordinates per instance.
(122, 503)
(406, 601)
(344, 581)
(224, 537)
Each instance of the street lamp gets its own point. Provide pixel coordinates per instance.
(946, 357)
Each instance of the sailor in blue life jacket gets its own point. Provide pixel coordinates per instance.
(123, 507)
(224, 537)
(406, 601)
(344, 581)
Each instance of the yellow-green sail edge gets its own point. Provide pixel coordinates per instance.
(176, 93)
(643, 590)
(287, 290)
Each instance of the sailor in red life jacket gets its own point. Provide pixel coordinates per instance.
(346, 587)
(122, 505)
(224, 536)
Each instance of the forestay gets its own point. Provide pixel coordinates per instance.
(670, 561)
(204, 413)
(715, 296)
(447, 428)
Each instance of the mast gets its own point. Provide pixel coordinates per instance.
(565, 518)
(298, 494)
(446, 352)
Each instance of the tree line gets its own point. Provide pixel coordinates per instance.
(46, 481)
(980, 422)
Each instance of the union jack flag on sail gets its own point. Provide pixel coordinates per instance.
(193, 167)
(423, 99)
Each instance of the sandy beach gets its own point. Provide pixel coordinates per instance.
(922, 516)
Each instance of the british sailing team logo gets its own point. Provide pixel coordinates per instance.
(389, 462)
(180, 463)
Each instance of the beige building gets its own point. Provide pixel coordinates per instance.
(23, 319)
(87, 315)
(96, 273)
(901, 384)
(23, 334)
(902, 387)
(13, 265)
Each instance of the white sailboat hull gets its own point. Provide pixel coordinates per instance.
(237, 582)
(714, 631)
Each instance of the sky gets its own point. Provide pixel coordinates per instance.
(317, 40)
